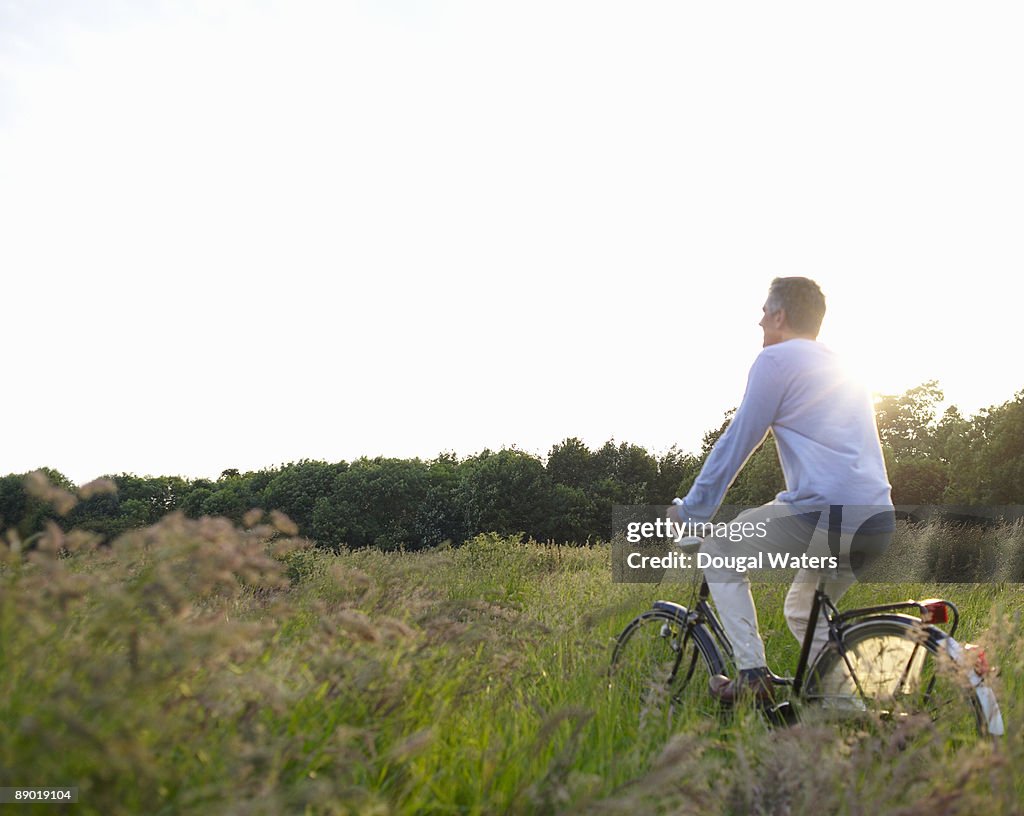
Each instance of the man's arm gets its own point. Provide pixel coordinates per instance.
(745, 433)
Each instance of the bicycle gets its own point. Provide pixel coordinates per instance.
(879, 661)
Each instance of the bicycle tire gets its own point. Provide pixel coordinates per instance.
(902, 669)
(661, 665)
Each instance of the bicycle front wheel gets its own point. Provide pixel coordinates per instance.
(896, 667)
(661, 666)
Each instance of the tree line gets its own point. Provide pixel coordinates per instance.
(567, 497)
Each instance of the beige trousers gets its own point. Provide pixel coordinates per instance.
(785, 531)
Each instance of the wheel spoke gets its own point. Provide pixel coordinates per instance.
(655, 670)
(893, 669)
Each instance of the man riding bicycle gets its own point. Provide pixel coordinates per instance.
(837, 494)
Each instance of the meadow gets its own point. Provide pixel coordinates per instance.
(198, 666)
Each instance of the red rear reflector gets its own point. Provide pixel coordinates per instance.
(977, 656)
(934, 611)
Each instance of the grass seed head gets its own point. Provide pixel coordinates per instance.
(39, 486)
(283, 524)
(97, 487)
(358, 624)
(52, 539)
(252, 517)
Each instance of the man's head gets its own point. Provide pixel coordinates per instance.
(794, 308)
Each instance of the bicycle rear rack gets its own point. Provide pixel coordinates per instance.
(931, 611)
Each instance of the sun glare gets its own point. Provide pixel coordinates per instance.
(501, 213)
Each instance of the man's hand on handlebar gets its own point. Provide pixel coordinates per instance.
(674, 511)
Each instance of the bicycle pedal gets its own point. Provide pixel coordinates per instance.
(782, 714)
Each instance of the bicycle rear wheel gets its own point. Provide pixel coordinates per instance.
(895, 668)
(661, 665)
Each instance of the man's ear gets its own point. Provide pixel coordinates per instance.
(779, 318)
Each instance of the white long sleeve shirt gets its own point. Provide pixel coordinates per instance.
(824, 426)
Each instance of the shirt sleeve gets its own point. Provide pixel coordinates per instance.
(749, 427)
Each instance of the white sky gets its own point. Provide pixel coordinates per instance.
(236, 234)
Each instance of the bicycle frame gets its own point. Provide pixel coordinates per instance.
(702, 612)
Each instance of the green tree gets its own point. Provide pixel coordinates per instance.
(573, 515)
(296, 489)
(27, 513)
(676, 472)
(192, 504)
(101, 514)
(160, 494)
(623, 474)
(712, 436)
(906, 422)
(13, 500)
(441, 516)
(637, 473)
(759, 481)
(918, 480)
(1005, 458)
(761, 478)
(507, 492)
(986, 456)
(571, 463)
(231, 499)
(374, 503)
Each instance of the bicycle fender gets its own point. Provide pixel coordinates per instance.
(986, 696)
(678, 610)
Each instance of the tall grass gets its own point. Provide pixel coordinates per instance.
(196, 667)
(952, 552)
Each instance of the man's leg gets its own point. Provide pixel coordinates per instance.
(731, 592)
(730, 589)
(799, 600)
(865, 550)
(780, 530)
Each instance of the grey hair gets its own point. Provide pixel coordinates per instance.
(802, 301)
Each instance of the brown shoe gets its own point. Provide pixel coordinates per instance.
(754, 683)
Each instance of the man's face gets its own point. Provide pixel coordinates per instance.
(771, 324)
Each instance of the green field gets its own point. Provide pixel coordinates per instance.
(198, 668)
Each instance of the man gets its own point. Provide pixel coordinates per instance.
(836, 485)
